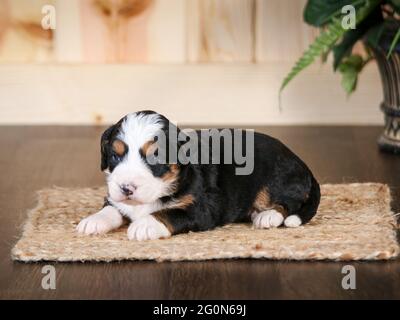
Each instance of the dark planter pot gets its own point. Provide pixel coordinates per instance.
(389, 69)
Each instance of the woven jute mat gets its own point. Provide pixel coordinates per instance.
(354, 222)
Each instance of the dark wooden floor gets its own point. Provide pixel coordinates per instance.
(32, 158)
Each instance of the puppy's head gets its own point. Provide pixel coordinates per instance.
(129, 152)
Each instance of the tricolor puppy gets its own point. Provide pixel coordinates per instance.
(166, 198)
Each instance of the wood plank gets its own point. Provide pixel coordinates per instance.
(281, 34)
(220, 30)
(22, 38)
(68, 41)
(106, 26)
(166, 37)
(133, 31)
(191, 94)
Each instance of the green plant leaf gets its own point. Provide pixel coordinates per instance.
(380, 34)
(394, 43)
(374, 35)
(320, 12)
(349, 82)
(325, 41)
(350, 38)
(395, 4)
(321, 44)
(355, 61)
(350, 69)
(345, 47)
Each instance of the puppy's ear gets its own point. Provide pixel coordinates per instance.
(105, 139)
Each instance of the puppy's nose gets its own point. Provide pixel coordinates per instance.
(127, 189)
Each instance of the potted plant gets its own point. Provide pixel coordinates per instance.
(377, 25)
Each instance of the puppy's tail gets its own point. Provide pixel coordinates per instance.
(308, 209)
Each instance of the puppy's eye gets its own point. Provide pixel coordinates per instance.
(152, 159)
(115, 158)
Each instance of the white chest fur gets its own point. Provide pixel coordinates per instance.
(134, 212)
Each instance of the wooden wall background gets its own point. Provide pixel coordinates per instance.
(221, 59)
(153, 31)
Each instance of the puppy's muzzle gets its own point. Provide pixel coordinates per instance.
(128, 189)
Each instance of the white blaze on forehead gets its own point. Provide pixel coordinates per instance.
(137, 129)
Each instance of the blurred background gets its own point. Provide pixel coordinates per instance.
(199, 62)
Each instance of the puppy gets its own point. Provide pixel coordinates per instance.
(171, 197)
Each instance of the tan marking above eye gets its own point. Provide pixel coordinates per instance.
(119, 147)
(148, 147)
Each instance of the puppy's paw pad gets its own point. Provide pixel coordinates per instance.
(268, 219)
(292, 221)
(147, 228)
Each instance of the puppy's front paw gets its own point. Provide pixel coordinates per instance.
(267, 219)
(101, 222)
(293, 221)
(147, 228)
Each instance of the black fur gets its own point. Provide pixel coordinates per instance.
(221, 197)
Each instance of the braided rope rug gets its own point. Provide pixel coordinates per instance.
(354, 222)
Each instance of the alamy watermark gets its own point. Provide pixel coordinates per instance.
(349, 280)
(49, 280)
(350, 19)
(207, 146)
(49, 18)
